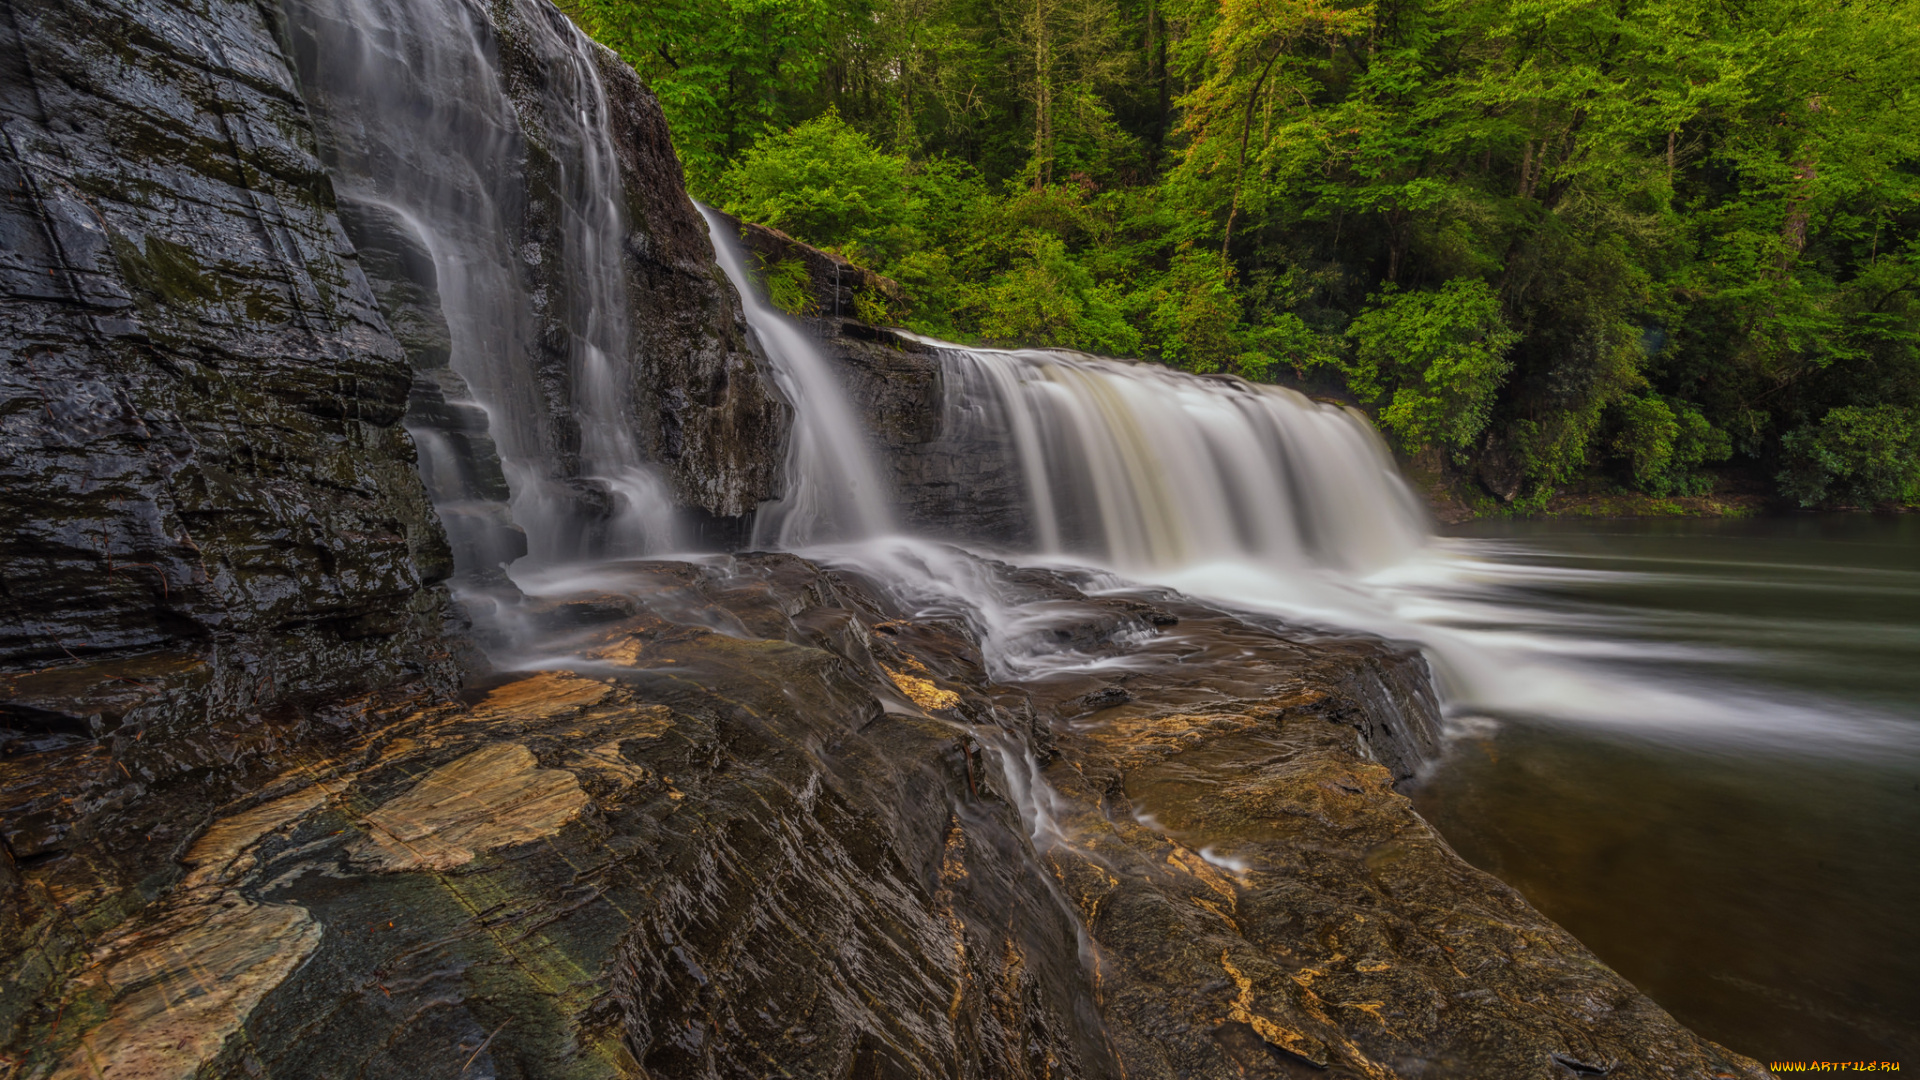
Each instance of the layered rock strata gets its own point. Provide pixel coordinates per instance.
(216, 550)
(773, 823)
(214, 546)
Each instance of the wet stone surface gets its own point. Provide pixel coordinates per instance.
(770, 822)
(215, 545)
(218, 556)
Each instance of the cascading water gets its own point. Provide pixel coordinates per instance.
(834, 492)
(1259, 497)
(1263, 500)
(1252, 496)
(514, 210)
(1148, 468)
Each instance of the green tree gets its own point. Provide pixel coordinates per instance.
(1440, 357)
(724, 70)
(1047, 298)
(1856, 454)
(1664, 442)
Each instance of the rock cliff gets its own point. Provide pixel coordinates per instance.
(215, 546)
(216, 549)
(775, 821)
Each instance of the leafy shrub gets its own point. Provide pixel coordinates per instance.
(1664, 442)
(821, 181)
(870, 305)
(1854, 454)
(1441, 356)
(1647, 432)
(1046, 297)
(1286, 340)
(789, 286)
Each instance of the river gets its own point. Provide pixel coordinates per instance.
(1756, 870)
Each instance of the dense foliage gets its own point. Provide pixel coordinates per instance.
(1608, 241)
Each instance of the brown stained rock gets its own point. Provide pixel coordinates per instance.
(748, 854)
(541, 697)
(495, 797)
(1264, 903)
(176, 1001)
(176, 984)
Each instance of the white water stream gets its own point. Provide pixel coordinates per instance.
(517, 207)
(1258, 497)
(833, 489)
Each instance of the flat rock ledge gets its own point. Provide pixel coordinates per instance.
(769, 824)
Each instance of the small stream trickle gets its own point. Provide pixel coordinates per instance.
(834, 491)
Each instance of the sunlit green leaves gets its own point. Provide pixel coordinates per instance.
(1438, 357)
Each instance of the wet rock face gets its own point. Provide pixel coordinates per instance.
(525, 222)
(717, 420)
(834, 287)
(772, 822)
(201, 399)
(950, 462)
(217, 552)
(214, 542)
(954, 470)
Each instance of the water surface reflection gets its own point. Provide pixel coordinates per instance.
(1765, 889)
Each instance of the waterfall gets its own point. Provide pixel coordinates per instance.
(1150, 469)
(495, 200)
(505, 211)
(1264, 500)
(833, 489)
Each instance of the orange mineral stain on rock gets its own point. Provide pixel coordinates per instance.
(492, 798)
(181, 982)
(1242, 1010)
(541, 697)
(922, 692)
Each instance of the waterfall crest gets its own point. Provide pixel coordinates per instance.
(1147, 468)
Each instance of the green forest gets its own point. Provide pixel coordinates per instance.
(1611, 245)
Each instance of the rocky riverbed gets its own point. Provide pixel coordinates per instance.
(768, 821)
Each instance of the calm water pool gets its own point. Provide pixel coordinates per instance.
(1759, 876)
